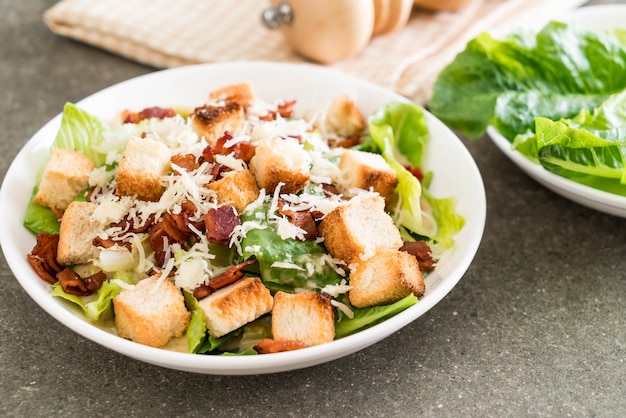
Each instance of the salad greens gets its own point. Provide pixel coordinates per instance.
(79, 131)
(557, 95)
(398, 131)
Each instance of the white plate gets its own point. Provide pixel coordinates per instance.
(596, 18)
(455, 175)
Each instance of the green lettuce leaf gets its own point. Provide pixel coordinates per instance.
(196, 330)
(95, 308)
(40, 218)
(82, 132)
(400, 132)
(554, 73)
(366, 317)
(589, 148)
(269, 248)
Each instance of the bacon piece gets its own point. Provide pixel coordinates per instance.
(416, 171)
(242, 150)
(302, 219)
(230, 276)
(220, 224)
(202, 291)
(207, 155)
(187, 162)
(347, 142)
(128, 224)
(128, 116)
(173, 228)
(43, 257)
(285, 109)
(73, 284)
(104, 243)
(421, 251)
(268, 346)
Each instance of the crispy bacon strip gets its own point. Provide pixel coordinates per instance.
(73, 284)
(187, 162)
(416, 171)
(284, 109)
(422, 252)
(128, 224)
(43, 257)
(228, 277)
(268, 346)
(220, 224)
(302, 219)
(129, 116)
(174, 228)
(347, 142)
(242, 150)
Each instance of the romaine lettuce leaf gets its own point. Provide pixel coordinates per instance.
(94, 307)
(366, 317)
(506, 83)
(311, 268)
(400, 132)
(196, 330)
(40, 218)
(80, 131)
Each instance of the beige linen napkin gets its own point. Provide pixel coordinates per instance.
(165, 33)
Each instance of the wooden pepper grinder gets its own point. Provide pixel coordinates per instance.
(327, 31)
(331, 30)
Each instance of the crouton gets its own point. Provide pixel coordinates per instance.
(233, 306)
(306, 317)
(365, 170)
(139, 172)
(281, 160)
(241, 93)
(151, 313)
(78, 229)
(343, 117)
(212, 121)
(238, 189)
(385, 278)
(354, 231)
(65, 176)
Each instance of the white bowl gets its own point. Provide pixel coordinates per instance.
(603, 17)
(456, 175)
(600, 200)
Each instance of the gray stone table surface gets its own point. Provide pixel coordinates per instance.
(536, 327)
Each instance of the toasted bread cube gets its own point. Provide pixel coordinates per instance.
(357, 229)
(307, 317)
(78, 229)
(365, 170)
(139, 172)
(233, 306)
(238, 189)
(241, 93)
(152, 312)
(211, 121)
(281, 160)
(385, 278)
(65, 176)
(343, 117)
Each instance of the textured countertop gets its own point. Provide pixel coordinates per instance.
(536, 327)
